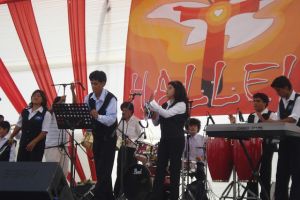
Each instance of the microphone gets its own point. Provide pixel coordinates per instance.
(145, 136)
(136, 94)
(241, 118)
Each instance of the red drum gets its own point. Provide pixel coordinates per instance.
(219, 159)
(254, 148)
(144, 148)
(152, 170)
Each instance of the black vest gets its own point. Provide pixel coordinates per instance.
(251, 117)
(172, 127)
(5, 151)
(100, 130)
(285, 112)
(32, 127)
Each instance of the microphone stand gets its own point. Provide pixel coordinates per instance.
(207, 186)
(187, 175)
(240, 114)
(71, 155)
(188, 146)
(66, 84)
(188, 157)
(123, 160)
(186, 194)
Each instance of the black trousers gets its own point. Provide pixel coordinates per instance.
(36, 155)
(197, 188)
(265, 170)
(168, 150)
(129, 161)
(288, 167)
(104, 155)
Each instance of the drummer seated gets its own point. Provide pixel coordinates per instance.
(130, 129)
(196, 143)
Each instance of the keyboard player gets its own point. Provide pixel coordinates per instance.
(260, 105)
(289, 148)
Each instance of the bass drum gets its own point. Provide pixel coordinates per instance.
(137, 183)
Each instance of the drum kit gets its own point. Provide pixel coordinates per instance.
(223, 158)
(138, 179)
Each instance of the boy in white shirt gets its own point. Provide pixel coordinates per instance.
(196, 144)
(7, 150)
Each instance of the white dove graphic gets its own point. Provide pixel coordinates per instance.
(240, 28)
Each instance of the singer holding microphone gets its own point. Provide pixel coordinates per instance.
(171, 116)
(103, 109)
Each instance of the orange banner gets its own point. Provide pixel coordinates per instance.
(224, 51)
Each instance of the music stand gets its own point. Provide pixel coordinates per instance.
(72, 116)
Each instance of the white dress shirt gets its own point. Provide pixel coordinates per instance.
(12, 156)
(273, 115)
(111, 110)
(132, 129)
(178, 108)
(55, 136)
(296, 110)
(197, 143)
(46, 121)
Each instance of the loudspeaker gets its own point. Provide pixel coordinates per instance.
(33, 181)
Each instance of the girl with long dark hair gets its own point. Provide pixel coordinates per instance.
(34, 122)
(171, 116)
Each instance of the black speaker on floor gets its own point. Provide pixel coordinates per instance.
(33, 181)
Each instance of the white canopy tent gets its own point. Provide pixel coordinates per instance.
(106, 34)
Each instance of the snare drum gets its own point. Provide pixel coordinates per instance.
(192, 166)
(144, 148)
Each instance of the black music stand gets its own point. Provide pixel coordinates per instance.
(72, 116)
